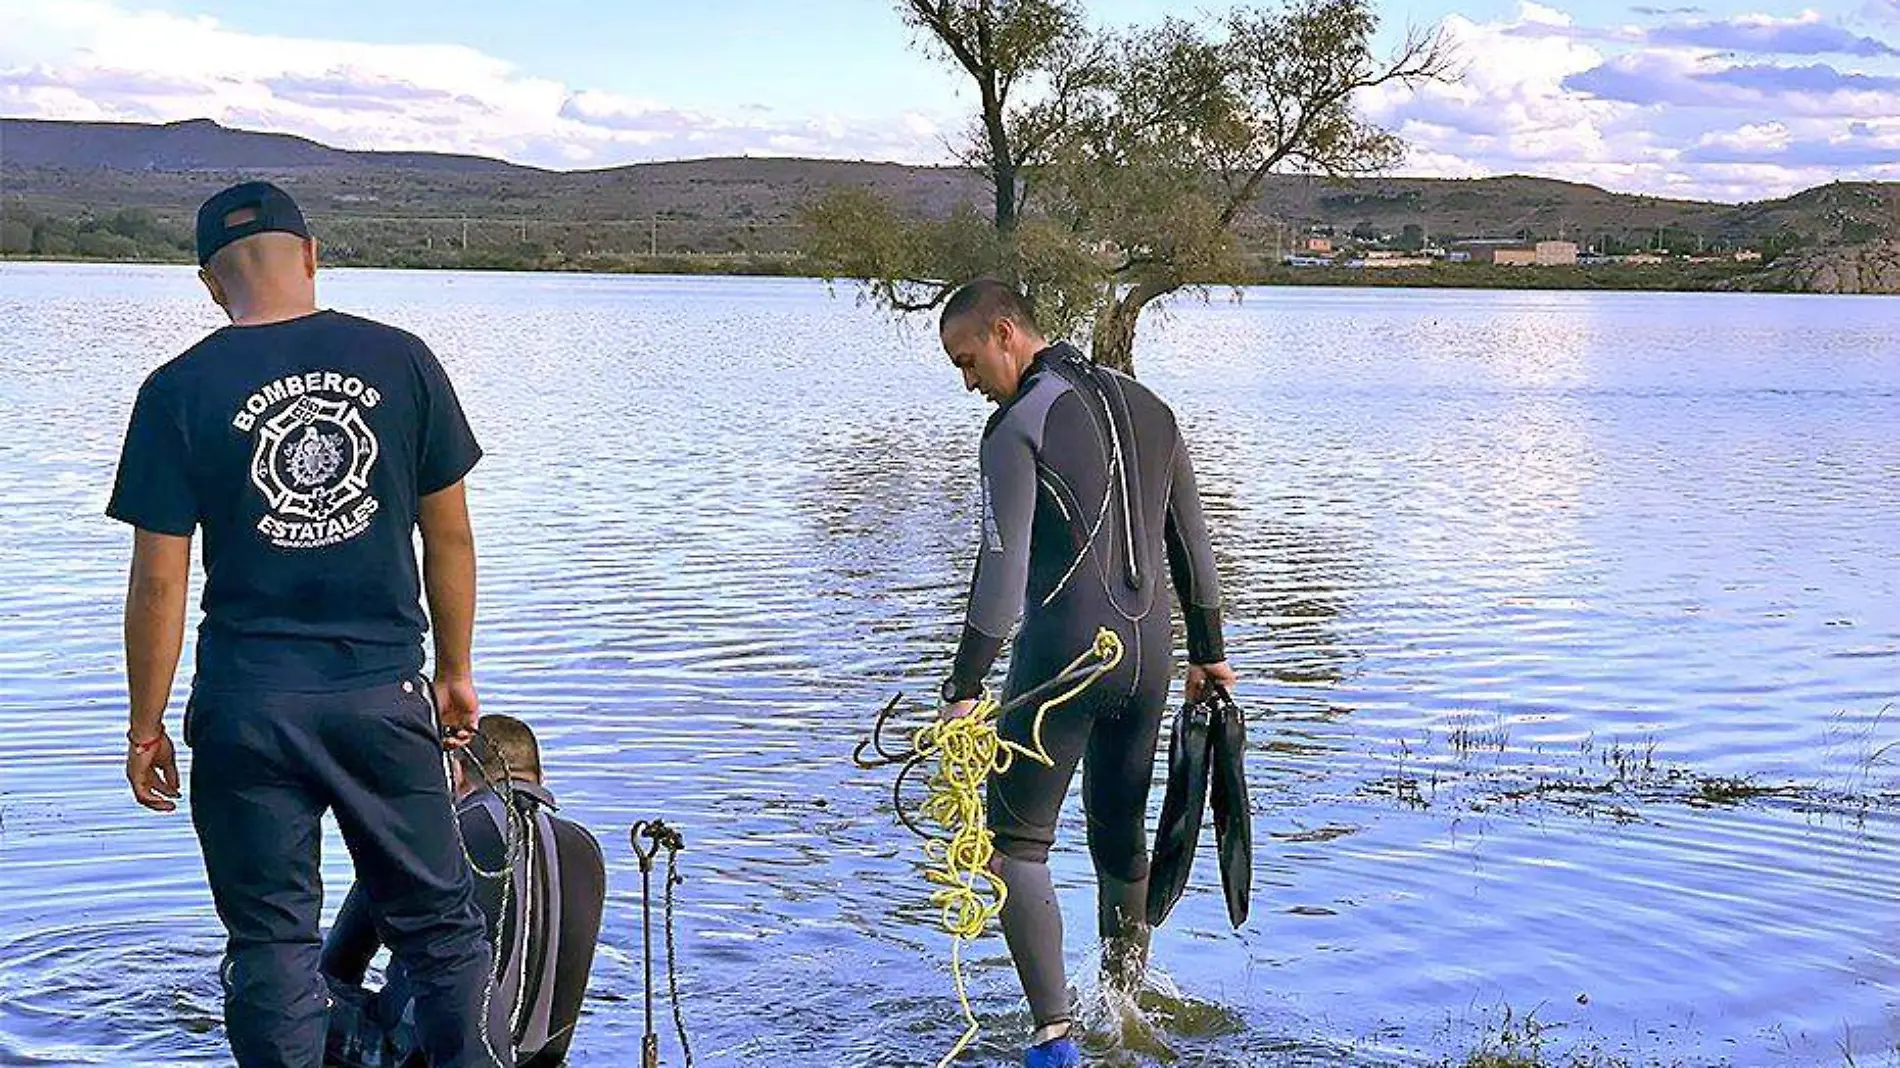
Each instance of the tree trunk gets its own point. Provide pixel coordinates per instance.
(1005, 172)
(1002, 158)
(1114, 343)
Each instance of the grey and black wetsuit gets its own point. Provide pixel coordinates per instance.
(1089, 499)
(547, 923)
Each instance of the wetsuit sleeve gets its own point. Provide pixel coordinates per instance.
(583, 893)
(1191, 563)
(353, 940)
(1002, 558)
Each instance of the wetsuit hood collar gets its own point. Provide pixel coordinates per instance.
(1060, 350)
(541, 794)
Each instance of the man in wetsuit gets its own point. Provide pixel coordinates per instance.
(1088, 499)
(537, 872)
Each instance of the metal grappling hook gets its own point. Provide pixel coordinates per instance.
(659, 836)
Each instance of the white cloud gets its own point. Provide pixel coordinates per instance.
(1807, 34)
(1612, 106)
(1538, 14)
(1762, 138)
(1510, 112)
(96, 60)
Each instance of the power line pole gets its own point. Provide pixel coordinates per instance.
(653, 236)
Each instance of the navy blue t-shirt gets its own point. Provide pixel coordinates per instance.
(302, 448)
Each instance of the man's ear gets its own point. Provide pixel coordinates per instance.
(213, 287)
(310, 257)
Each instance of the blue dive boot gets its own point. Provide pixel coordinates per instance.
(1055, 1053)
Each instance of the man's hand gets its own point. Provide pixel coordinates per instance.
(958, 710)
(151, 766)
(458, 709)
(1199, 675)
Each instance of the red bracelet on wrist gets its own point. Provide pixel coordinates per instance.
(147, 745)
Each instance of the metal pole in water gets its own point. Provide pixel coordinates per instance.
(650, 1045)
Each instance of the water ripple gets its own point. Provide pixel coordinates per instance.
(1567, 622)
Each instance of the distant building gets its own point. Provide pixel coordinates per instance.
(1394, 259)
(1747, 255)
(1512, 253)
(1482, 250)
(1314, 243)
(1555, 254)
(1642, 259)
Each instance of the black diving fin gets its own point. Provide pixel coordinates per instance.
(1233, 816)
(1208, 747)
(1180, 826)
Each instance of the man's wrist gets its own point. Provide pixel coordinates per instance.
(140, 741)
(952, 692)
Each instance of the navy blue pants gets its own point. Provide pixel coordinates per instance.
(264, 768)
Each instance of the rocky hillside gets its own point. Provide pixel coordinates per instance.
(1873, 267)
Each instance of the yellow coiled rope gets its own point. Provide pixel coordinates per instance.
(967, 751)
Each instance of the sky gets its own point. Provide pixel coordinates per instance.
(1730, 100)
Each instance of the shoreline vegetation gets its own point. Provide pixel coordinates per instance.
(1605, 277)
(79, 233)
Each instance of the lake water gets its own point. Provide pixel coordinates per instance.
(1569, 624)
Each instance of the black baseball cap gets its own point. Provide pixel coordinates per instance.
(242, 210)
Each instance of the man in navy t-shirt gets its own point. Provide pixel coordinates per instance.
(309, 446)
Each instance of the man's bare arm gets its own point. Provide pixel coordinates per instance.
(448, 574)
(154, 636)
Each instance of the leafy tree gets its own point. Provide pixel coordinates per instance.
(1119, 177)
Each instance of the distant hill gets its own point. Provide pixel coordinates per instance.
(200, 145)
(419, 207)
